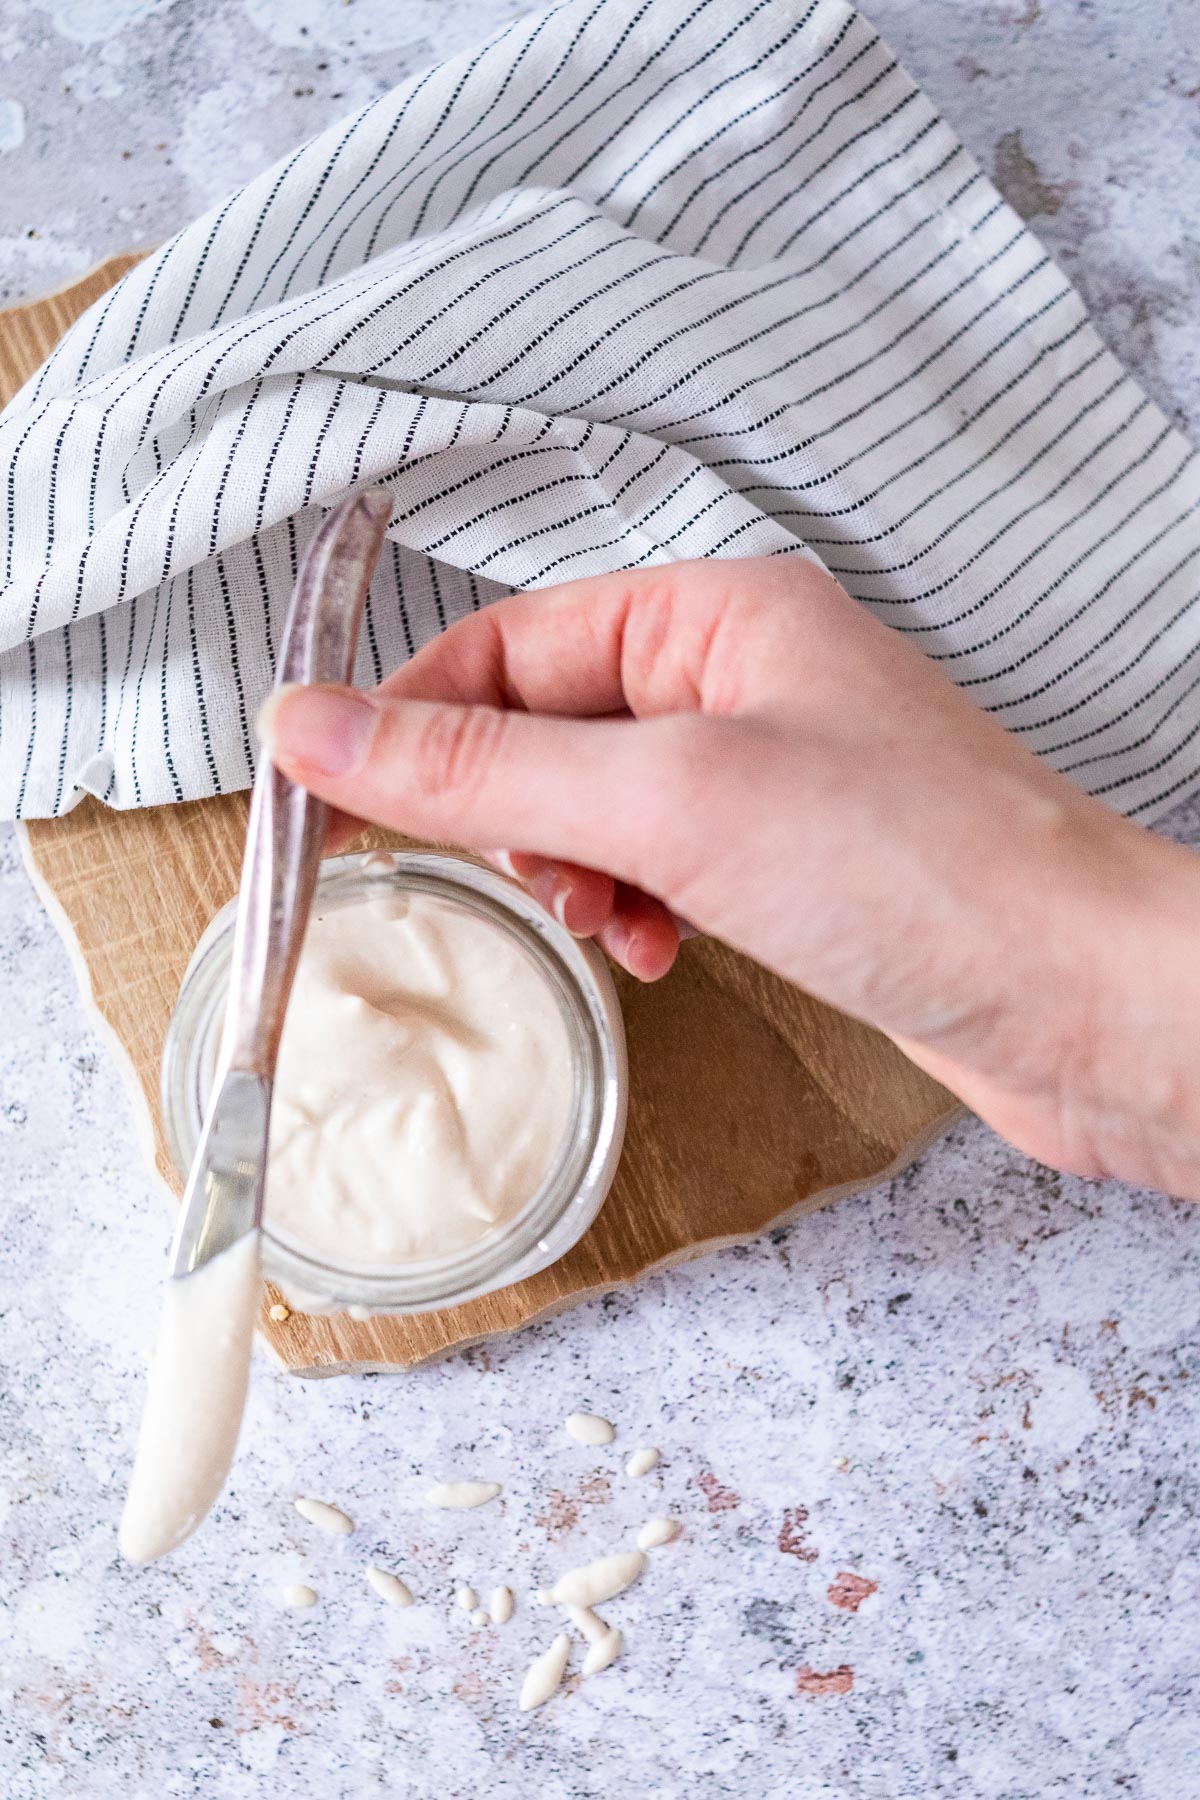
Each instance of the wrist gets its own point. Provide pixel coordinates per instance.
(1134, 1088)
(1089, 1063)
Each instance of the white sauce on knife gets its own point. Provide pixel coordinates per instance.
(389, 1587)
(424, 1084)
(194, 1400)
(544, 1674)
(325, 1517)
(590, 1428)
(658, 1531)
(641, 1462)
(461, 1494)
(596, 1582)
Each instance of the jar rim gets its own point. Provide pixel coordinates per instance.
(573, 1188)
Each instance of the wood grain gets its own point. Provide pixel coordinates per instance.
(750, 1102)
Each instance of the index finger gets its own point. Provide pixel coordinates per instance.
(645, 641)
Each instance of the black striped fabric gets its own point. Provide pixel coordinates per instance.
(636, 280)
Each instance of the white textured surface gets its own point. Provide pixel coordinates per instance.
(1008, 1361)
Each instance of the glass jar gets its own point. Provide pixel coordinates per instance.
(574, 1188)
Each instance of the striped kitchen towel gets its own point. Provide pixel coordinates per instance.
(635, 280)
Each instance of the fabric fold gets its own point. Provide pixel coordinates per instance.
(627, 284)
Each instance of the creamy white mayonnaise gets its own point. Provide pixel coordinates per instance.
(424, 1084)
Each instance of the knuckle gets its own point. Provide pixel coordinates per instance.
(652, 671)
(688, 633)
(456, 749)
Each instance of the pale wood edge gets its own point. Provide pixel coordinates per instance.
(143, 1117)
(915, 1148)
(112, 268)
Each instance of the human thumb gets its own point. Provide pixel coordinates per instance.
(607, 793)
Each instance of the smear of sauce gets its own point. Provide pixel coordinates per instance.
(544, 1674)
(658, 1531)
(587, 1622)
(389, 1587)
(641, 1462)
(297, 1593)
(590, 1428)
(604, 1641)
(461, 1494)
(604, 1653)
(325, 1517)
(194, 1400)
(596, 1582)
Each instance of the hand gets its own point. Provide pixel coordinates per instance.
(741, 745)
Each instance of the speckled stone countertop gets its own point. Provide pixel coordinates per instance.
(975, 1391)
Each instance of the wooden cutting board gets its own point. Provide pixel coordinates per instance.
(750, 1102)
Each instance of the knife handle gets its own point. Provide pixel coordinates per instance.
(286, 828)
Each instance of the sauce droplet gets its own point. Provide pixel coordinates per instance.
(501, 1605)
(658, 1531)
(596, 1582)
(544, 1674)
(590, 1428)
(458, 1494)
(325, 1517)
(389, 1587)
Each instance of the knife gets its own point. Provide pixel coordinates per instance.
(200, 1370)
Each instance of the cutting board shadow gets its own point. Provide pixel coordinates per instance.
(751, 1103)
